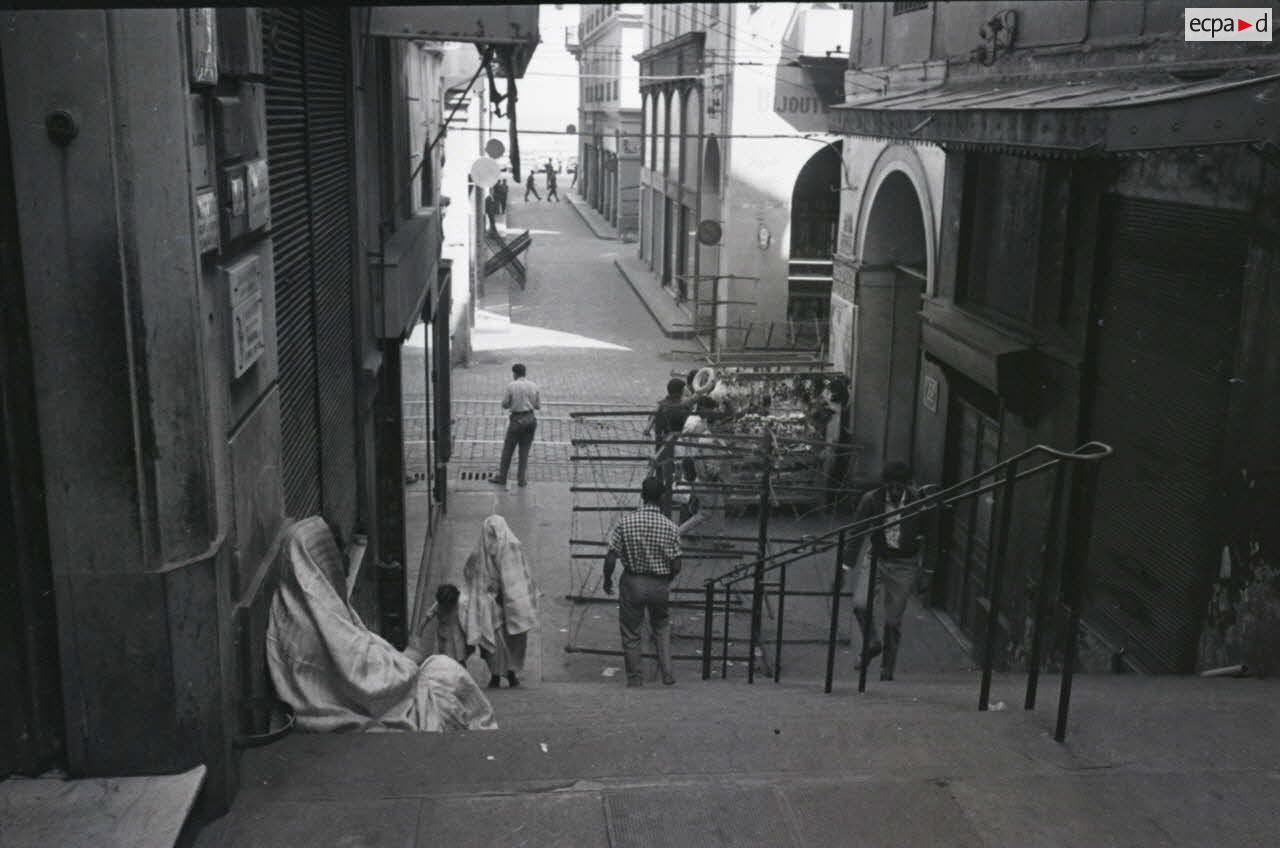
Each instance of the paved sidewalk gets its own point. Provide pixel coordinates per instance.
(593, 219)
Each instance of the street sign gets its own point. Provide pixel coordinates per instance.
(494, 148)
(485, 172)
(709, 232)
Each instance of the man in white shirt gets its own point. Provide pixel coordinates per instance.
(521, 399)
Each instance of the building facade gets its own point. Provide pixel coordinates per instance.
(609, 35)
(222, 226)
(734, 101)
(1060, 225)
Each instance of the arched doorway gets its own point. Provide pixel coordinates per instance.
(815, 208)
(892, 276)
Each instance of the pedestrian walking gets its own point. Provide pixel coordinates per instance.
(521, 399)
(671, 413)
(502, 605)
(551, 186)
(698, 460)
(500, 195)
(648, 544)
(897, 555)
(530, 188)
(490, 211)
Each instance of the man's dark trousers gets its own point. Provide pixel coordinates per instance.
(637, 593)
(519, 434)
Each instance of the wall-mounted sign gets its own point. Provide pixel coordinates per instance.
(199, 140)
(931, 394)
(244, 291)
(709, 232)
(843, 342)
(258, 191)
(247, 339)
(763, 237)
(208, 233)
(235, 202)
(202, 31)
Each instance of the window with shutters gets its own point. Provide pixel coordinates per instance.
(907, 6)
(1000, 236)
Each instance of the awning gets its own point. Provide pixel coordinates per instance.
(484, 25)
(1090, 117)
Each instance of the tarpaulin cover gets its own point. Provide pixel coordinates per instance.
(339, 676)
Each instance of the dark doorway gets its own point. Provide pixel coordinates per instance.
(973, 445)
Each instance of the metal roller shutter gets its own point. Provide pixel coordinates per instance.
(1165, 347)
(331, 185)
(310, 168)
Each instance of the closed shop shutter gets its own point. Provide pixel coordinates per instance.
(1168, 312)
(309, 157)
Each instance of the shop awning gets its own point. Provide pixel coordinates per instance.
(486, 25)
(1090, 117)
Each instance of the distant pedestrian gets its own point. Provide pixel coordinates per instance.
(500, 195)
(530, 188)
(648, 544)
(575, 177)
(521, 399)
(551, 186)
(897, 554)
(490, 210)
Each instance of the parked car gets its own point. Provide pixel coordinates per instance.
(572, 165)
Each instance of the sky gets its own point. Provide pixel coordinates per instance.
(549, 90)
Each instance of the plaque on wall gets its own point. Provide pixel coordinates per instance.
(247, 338)
(202, 31)
(208, 233)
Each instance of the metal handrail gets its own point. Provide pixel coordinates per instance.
(1079, 515)
(942, 497)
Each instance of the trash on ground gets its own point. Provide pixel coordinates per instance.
(543, 746)
(609, 671)
(997, 706)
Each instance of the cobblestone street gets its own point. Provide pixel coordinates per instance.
(603, 349)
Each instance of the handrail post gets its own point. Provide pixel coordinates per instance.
(708, 612)
(1080, 527)
(1047, 562)
(837, 581)
(777, 648)
(757, 586)
(724, 659)
(869, 612)
(997, 582)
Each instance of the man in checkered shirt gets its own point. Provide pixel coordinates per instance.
(648, 544)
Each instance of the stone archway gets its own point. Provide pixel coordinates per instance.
(815, 211)
(893, 271)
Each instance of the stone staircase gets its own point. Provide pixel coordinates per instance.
(724, 763)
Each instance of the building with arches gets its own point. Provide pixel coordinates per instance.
(608, 36)
(1059, 224)
(735, 132)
